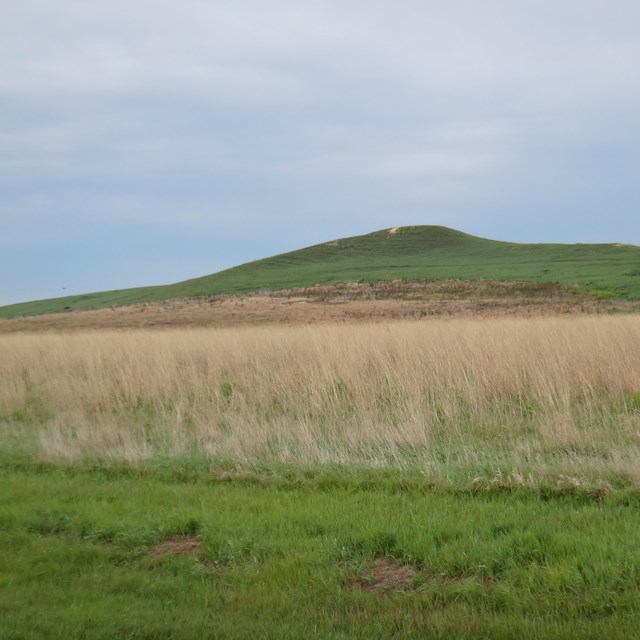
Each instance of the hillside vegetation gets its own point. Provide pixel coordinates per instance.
(418, 252)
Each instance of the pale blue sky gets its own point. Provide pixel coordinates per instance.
(151, 141)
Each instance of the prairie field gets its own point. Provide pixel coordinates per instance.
(509, 400)
(468, 478)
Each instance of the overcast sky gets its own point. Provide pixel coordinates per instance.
(150, 141)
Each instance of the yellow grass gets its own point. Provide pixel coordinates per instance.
(520, 396)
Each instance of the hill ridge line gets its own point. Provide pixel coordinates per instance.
(413, 252)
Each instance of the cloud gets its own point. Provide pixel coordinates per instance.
(323, 119)
(254, 50)
(430, 163)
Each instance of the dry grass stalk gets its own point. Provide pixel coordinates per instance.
(489, 391)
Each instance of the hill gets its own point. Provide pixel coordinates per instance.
(417, 252)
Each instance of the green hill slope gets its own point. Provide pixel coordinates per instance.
(419, 252)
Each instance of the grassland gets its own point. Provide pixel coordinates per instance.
(470, 478)
(420, 252)
(523, 400)
(122, 554)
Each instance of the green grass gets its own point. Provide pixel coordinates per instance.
(286, 558)
(419, 252)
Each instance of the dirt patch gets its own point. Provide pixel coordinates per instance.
(177, 546)
(386, 574)
(349, 302)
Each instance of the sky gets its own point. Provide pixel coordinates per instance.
(152, 141)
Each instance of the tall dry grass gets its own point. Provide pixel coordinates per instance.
(543, 395)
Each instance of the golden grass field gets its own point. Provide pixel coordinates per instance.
(523, 398)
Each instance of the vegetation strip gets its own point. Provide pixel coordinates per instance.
(530, 403)
(380, 302)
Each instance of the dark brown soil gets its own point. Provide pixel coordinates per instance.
(177, 546)
(386, 574)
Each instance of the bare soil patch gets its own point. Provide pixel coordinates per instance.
(177, 546)
(347, 302)
(385, 574)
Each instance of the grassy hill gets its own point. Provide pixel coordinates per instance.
(418, 252)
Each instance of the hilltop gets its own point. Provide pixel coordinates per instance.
(408, 253)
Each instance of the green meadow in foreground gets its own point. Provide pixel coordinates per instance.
(418, 252)
(123, 554)
(97, 553)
